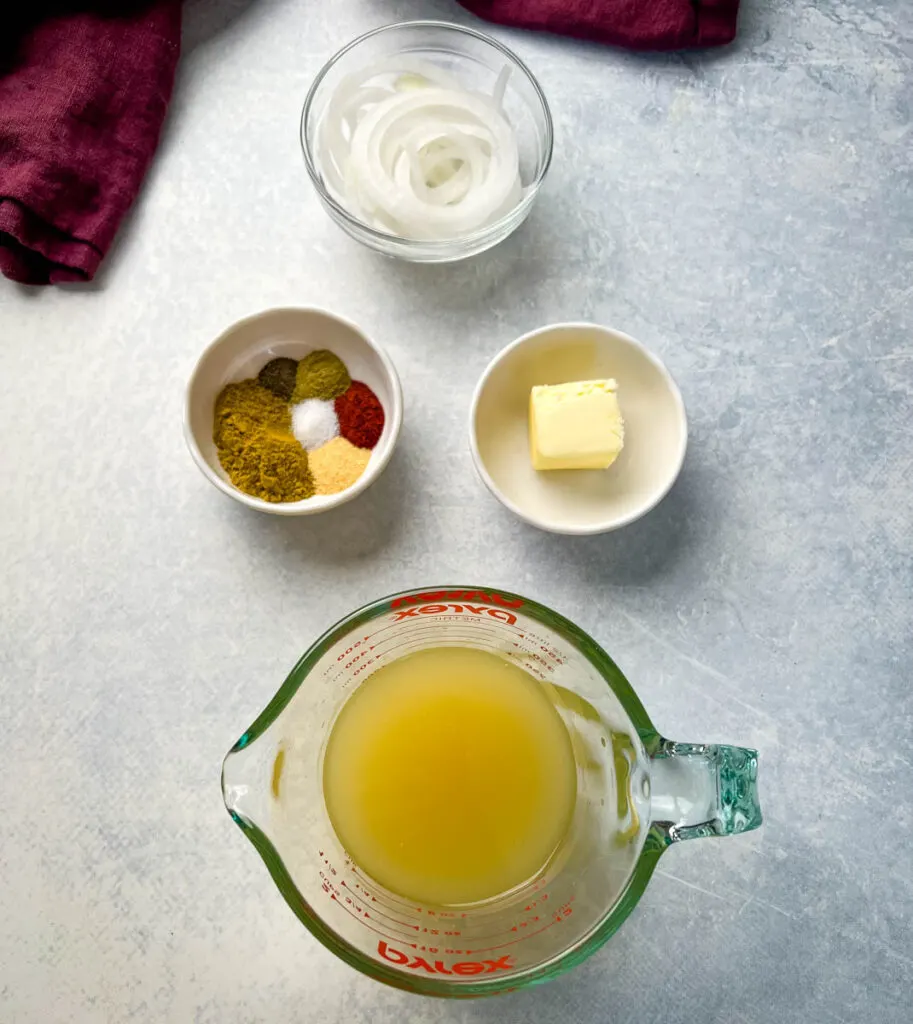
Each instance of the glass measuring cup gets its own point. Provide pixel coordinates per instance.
(637, 793)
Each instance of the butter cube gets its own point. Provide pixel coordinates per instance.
(575, 426)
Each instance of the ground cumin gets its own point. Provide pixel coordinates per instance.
(252, 433)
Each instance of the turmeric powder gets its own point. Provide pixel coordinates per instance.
(252, 430)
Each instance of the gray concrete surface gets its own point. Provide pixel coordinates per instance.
(747, 213)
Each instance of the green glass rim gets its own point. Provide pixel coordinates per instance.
(656, 842)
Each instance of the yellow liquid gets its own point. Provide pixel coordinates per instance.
(449, 777)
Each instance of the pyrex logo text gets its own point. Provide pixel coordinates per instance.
(485, 597)
(459, 609)
(465, 967)
(441, 609)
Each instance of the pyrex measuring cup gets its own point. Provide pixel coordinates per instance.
(637, 793)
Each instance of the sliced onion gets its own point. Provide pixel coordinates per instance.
(501, 87)
(410, 153)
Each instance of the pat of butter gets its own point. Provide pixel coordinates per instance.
(575, 426)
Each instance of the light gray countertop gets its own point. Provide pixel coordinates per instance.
(746, 213)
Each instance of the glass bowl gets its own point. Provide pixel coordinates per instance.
(475, 60)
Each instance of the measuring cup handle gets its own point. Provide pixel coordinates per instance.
(700, 790)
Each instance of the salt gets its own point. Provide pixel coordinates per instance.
(314, 423)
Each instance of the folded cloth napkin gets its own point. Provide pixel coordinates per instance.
(635, 24)
(83, 92)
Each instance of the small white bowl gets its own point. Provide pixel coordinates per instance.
(578, 501)
(242, 350)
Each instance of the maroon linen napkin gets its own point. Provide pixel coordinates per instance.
(83, 93)
(634, 24)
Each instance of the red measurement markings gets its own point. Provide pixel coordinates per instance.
(539, 660)
(424, 630)
(537, 902)
(386, 627)
(365, 893)
(367, 924)
(356, 909)
(352, 648)
(377, 652)
(360, 663)
(444, 919)
(405, 639)
(546, 656)
(447, 918)
(487, 640)
(375, 909)
(520, 927)
(512, 942)
(365, 652)
(326, 861)
(415, 639)
(521, 936)
(542, 643)
(397, 626)
(385, 898)
(426, 627)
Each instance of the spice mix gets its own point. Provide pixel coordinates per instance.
(299, 428)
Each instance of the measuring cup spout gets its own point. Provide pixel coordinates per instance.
(248, 778)
(703, 790)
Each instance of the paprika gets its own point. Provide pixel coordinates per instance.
(360, 415)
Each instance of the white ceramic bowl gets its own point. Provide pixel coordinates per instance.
(243, 349)
(578, 501)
